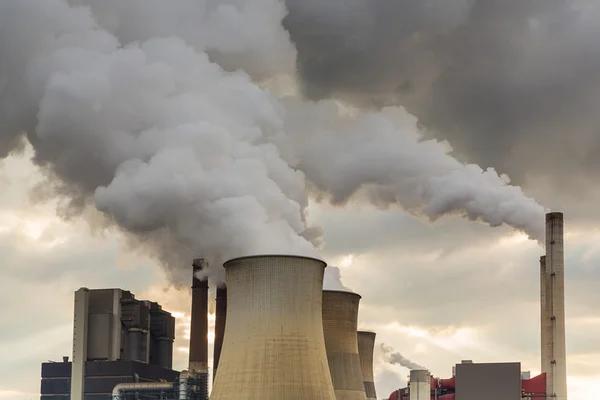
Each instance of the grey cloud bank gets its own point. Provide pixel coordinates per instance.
(134, 118)
(513, 85)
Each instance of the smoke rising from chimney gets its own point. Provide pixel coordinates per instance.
(396, 358)
(128, 111)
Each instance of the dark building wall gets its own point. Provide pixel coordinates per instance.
(100, 378)
(495, 381)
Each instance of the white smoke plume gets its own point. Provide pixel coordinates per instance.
(333, 279)
(396, 358)
(129, 109)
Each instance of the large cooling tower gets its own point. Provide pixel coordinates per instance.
(366, 345)
(340, 318)
(273, 347)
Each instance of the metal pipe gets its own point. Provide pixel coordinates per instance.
(145, 386)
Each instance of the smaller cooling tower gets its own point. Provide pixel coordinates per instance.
(366, 345)
(273, 347)
(420, 385)
(340, 319)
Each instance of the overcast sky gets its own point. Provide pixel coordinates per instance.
(437, 294)
(185, 155)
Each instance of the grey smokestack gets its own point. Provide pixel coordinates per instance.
(199, 323)
(553, 327)
(366, 345)
(220, 318)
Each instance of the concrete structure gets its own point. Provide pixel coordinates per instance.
(273, 347)
(198, 359)
(366, 345)
(101, 377)
(420, 385)
(340, 320)
(554, 358)
(494, 381)
(110, 326)
(479, 381)
(220, 317)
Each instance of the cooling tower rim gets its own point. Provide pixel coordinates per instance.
(554, 215)
(343, 291)
(288, 256)
(366, 332)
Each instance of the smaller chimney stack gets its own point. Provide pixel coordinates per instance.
(220, 318)
(198, 361)
(420, 385)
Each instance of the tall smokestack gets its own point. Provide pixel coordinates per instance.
(553, 324)
(273, 347)
(220, 318)
(420, 385)
(546, 322)
(340, 319)
(366, 345)
(198, 361)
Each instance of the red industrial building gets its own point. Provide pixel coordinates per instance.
(464, 387)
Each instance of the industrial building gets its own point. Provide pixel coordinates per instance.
(117, 339)
(279, 335)
(474, 381)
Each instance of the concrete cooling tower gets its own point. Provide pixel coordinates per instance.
(366, 345)
(340, 319)
(273, 346)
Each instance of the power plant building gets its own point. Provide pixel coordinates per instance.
(474, 381)
(117, 339)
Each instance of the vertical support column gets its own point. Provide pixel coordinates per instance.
(556, 384)
(80, 336)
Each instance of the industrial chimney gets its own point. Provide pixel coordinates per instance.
(420, 385)
(198, 361)
(340, 319)
(220, 316)
(554, 358)
(273, 347)
(366, 345)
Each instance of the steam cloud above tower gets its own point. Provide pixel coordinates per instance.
(150, 112)
(499, 80)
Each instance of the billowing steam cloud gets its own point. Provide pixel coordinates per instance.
(333, 279)
(502, 81)
(397, 358)
(128, 111)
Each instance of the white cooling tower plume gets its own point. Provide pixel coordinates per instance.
(340, 319)
(420, 385)
(366, 345)
(273, 347)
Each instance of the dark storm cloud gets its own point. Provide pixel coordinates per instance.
(503, 81)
